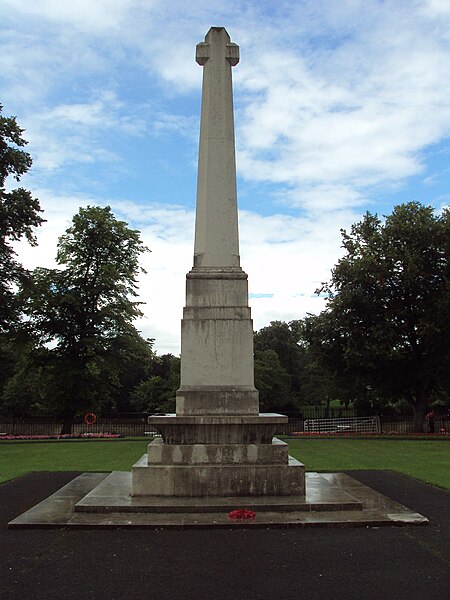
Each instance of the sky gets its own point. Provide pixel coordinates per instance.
(341, 107)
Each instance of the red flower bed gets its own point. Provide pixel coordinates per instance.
(368, 434)
(67, 436)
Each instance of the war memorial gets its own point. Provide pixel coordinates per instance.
(217, 453)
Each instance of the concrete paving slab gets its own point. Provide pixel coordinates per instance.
(370, 508)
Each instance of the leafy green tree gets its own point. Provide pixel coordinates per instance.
(273, 383)
(156, 394)
(24, 391)
(84, 312)
(17, 372)
(326, 376)
(284, 339)
(8, 359)
(387, 319)
(131, 357)
(151, 395)
(19, 215)
(308, 381)
(319, 385)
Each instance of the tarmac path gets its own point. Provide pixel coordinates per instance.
(225, 564)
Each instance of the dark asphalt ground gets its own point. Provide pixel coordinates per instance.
(305, 564)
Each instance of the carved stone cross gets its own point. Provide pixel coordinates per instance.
(218, 46)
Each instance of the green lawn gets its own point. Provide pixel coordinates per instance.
(425, 460)
(422, 459)
(116, 455)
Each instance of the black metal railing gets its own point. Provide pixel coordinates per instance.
(129, 425)
(135, 424)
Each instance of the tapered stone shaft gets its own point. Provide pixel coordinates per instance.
(216, 331)
(216, 227)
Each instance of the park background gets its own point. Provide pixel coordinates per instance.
(343, 113)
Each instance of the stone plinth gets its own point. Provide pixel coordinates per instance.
(217, 345)
(202, 480)
(217, 456)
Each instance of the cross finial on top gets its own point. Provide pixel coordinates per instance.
(217, 45)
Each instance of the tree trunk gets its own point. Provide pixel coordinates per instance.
(69, 417)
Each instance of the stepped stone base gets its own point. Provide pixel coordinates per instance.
(103, 501)
(216, 455)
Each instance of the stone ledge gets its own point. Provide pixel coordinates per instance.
(159, 453)
(108, 497)
(216, 273)
(205, 419)
(206, 480)
(217, 429)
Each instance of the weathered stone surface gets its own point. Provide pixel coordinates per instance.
(218, 480)
(215, 429)
(102, 500)
(217, 443)
(217, 371)
(217, 400)
(216, 226)
(216, 352)
(197, 454)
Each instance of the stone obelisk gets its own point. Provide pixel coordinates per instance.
(217, 331)
(217, 443)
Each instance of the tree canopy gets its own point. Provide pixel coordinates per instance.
(83, 313)
(278, 366)
(386, 324)
(156, 393)
(19, 215)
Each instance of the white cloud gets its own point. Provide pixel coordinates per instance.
(279, 253)
(435, 8)
(71, 133)
(94, 17)
(353, 123)
(333, 101)
(164, 123)
(327, 94)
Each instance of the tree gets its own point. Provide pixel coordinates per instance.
(156, 394)
(297, 372)
(24, 391)
(387, 320)
(131, 357)
(19, 214)
(273, 382)
(283, 338)
(84, 312)
(17, 372)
